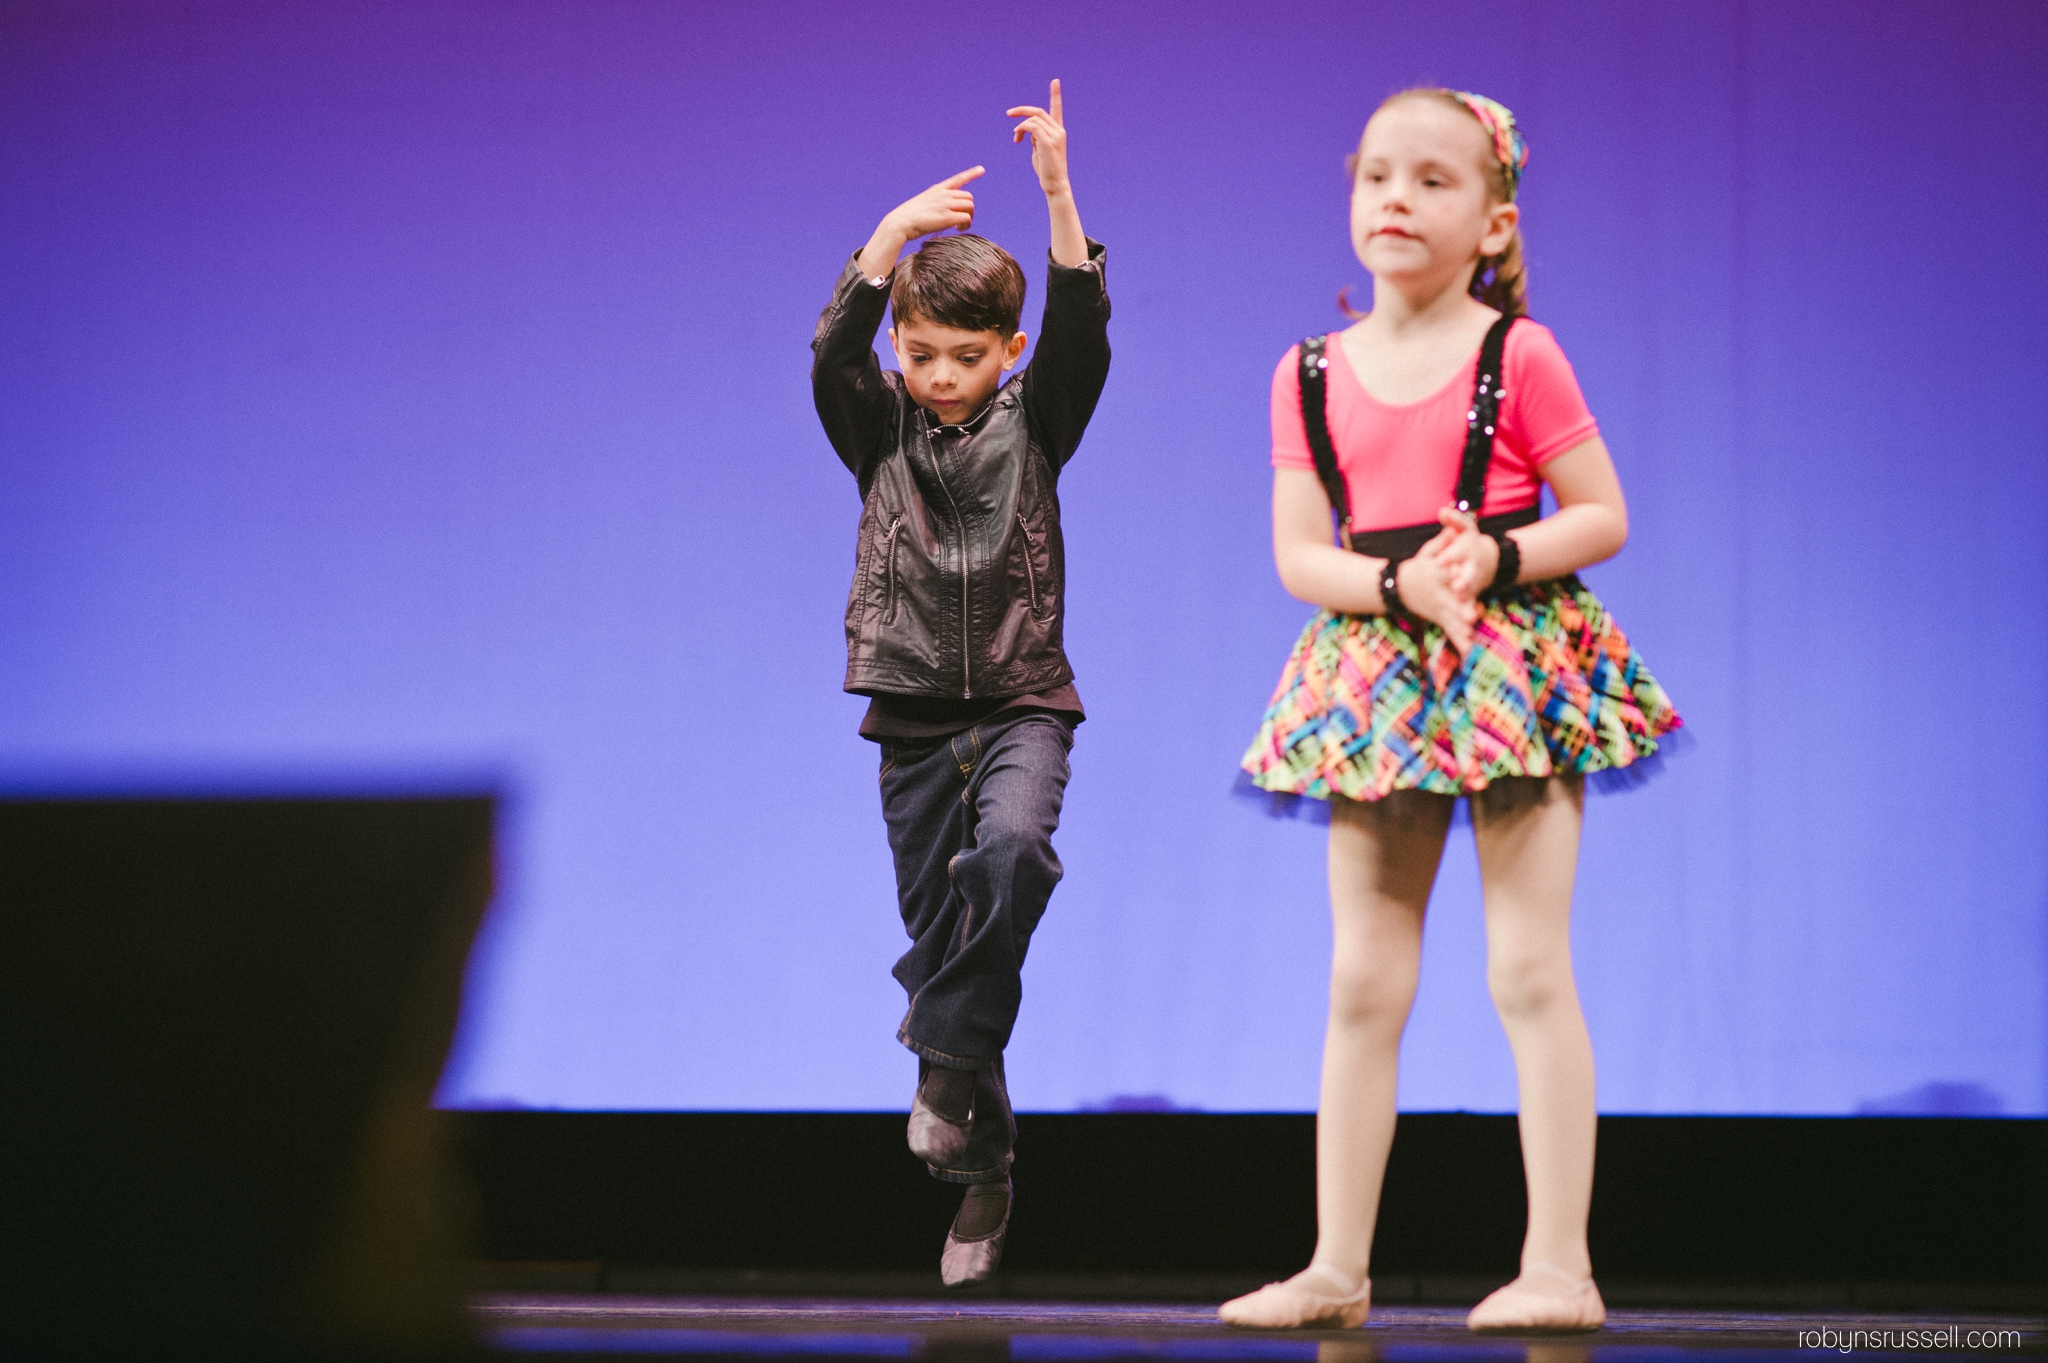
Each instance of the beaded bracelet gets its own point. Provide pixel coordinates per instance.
(1390, 588)
(1510, 569)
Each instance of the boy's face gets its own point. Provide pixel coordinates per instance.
(950, 372)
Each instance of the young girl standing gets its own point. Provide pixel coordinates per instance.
(1455, 654)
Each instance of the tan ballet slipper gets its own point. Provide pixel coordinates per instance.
(1521, 1307)
(1293, 1305)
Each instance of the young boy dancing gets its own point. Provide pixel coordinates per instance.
(953, 627)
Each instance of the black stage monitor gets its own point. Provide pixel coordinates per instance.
(223, 1023)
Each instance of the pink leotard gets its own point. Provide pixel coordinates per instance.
(1400, 463)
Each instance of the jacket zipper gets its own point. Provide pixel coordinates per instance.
(1030, 573)
(889, 591)
(960, 525)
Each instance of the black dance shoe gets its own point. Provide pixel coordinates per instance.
(936, 1137)
(974, 1250)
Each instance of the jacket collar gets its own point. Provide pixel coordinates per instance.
(966, 427)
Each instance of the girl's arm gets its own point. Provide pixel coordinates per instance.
(1318, 572)
(1589, 526)
(1591, 521)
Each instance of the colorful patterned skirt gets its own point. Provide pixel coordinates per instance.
(1550, 687)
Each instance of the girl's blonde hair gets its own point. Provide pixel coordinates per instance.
(1500, 281)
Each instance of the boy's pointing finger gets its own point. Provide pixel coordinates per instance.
(955, 181)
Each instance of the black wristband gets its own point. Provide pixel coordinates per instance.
(1390, 588)
(1510, 570)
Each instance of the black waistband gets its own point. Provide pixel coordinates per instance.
(1404, 541)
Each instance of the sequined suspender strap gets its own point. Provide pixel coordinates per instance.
(1481, 419)
(1315, 364)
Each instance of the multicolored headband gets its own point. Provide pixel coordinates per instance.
(1508, 143)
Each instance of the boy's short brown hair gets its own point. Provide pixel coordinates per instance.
(965, 281)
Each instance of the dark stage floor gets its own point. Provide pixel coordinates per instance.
(967, 1329)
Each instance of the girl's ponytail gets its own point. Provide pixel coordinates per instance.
(1501, 281)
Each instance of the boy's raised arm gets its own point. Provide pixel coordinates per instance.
(1066, 374)
(945, 204)
(846, 379)
(847, 386)
(1048, 132)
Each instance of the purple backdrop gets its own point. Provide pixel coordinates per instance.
(416, 393)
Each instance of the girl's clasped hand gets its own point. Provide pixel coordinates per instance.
(1443, 581)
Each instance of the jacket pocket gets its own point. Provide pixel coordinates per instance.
(1037, 574)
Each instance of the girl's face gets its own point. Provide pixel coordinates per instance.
(1421, 209)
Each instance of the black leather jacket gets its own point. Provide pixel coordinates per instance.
(959, 580)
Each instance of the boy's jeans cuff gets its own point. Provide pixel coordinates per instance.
(936, 1056)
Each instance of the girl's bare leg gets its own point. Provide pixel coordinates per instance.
(1528, 836)
(1383, 859)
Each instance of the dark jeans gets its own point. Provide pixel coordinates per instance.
(971, 818)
